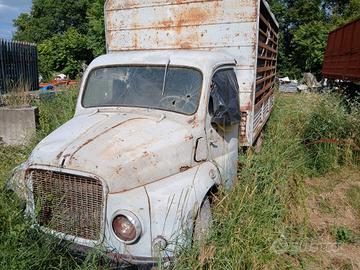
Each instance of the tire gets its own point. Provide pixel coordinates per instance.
(203, 221)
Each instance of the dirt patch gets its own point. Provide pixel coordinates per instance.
(329, 211)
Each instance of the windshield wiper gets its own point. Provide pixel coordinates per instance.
(164, 80)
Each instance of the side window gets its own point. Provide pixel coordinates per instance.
(224, 107)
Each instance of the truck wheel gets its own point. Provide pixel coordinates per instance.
(203, 221)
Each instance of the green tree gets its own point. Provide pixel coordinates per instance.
(353, 10)
(69, 33)
(308, 43)
(304, 27)
(49, 17)
(65, 53)
(96, 29)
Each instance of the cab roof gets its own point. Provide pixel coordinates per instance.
(202, 60)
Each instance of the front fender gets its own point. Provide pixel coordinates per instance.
(174, 202)
(135, 201)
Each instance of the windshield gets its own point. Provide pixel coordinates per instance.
(168, 88)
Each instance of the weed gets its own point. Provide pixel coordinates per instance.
(249, 219)
(353, 196)
(265, 205)
(21, 245)
(342, 234)
(53, 112)
(18, 95)
(267, 202)
(325, 206)
(331, 135)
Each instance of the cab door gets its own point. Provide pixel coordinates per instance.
(222, 123)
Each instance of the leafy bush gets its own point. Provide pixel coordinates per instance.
(309, 42)
(331, 135)
(69, 33)
(65, 53)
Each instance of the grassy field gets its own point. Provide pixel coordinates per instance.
(296, 204)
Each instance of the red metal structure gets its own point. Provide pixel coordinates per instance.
(342, 55)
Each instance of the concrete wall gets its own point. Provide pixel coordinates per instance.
(17, 125)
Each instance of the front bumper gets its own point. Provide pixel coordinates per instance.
(117, 259)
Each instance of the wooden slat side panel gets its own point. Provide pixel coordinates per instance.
(267, 56)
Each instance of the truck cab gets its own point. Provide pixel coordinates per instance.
(152, 135)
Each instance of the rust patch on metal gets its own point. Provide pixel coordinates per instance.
(342, 54)
(195, 123)
(188, 17)
(166, 24)
(243, 123)
(59, 155)
(102, 133)
(135, 40)
(246, 107)
(185, 45)
(184, 168)
(189, 138)
(119, 169)
(191, 120)
(194, 16)
(129, 3)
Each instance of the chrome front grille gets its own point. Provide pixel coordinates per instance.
(67, 203)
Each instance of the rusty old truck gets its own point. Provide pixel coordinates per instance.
(157, 128)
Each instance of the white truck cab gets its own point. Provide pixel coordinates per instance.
(157, 127)
(140, 149)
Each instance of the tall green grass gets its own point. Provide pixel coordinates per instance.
(267, 203)
(21, 245)
(264, 206)
(55, 111)
(249, 219)
(332, 134)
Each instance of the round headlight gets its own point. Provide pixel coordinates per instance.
(126, 227)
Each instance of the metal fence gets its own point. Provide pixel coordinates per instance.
(18, 66)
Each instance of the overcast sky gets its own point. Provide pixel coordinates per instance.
(10, 10)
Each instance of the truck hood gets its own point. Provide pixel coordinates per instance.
(125, 150)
